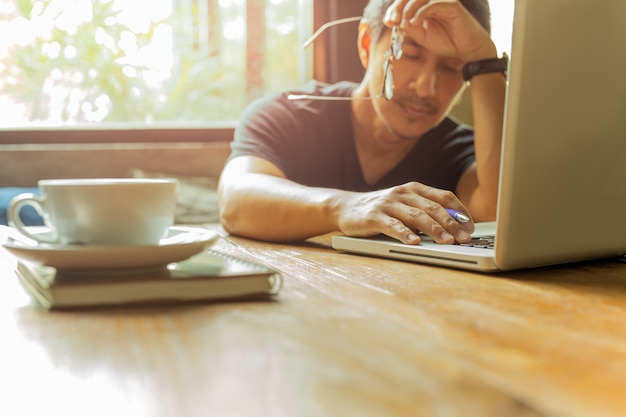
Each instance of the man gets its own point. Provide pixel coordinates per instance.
(386, 160)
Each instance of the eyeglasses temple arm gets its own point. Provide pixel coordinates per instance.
(325, 26)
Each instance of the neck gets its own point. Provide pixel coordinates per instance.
(371, 130)
(378, 147)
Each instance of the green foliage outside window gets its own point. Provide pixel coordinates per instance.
(88, 71)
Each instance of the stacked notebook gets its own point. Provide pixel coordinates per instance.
(208, 276)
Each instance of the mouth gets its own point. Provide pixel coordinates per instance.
(418, 111)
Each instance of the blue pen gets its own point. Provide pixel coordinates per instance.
(458, 216)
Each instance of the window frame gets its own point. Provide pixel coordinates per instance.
(115, 135)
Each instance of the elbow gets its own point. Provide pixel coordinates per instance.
(238, 218)
(228, 217)
(227, 208)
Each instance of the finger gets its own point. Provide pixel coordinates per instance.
(393, 15)
(422, 220)
(412, 212)
(418, 13)
(463, 218)
(409, 10)
(461, 230)
(447, 205)
(426, 210)
(396, 229)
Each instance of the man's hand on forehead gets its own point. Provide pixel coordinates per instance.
(415, 19)
(400, 9)
(445, 27)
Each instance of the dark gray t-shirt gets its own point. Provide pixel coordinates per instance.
(312, 142)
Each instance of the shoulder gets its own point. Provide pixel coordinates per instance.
(296, 108)
(296, 135)
(318, 89)
(303, 98)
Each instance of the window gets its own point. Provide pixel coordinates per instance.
(153, 63)
(502, 23)
(165, 69)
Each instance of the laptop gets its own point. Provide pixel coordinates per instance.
(563, 172)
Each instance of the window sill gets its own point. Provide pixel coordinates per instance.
(119, 134)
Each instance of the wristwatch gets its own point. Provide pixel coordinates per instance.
(484, 66)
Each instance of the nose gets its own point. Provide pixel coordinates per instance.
(425, 83)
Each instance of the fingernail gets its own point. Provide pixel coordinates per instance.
(390, 16)
(462, 235)
(447, 236)
(413, 237)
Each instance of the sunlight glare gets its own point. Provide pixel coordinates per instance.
(235, 28)
(502, 23)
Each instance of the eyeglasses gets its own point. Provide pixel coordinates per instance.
(394, 53)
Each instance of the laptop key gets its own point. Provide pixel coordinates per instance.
(485, 242)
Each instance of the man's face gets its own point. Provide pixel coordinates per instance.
(425, 86)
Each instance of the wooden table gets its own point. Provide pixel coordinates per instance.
(347, 336)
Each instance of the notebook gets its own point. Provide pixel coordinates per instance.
(563, 172)
(208, 276)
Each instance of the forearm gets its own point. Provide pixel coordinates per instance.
(487, 96)
(258, 202)
(271, 208)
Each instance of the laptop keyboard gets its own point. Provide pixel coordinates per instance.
(486, 242)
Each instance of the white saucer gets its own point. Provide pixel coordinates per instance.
(180, 243)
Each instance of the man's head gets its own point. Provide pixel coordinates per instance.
(426, 82)
(375, 11)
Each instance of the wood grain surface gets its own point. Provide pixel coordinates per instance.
(347, 336)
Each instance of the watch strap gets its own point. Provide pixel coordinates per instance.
(485, 66)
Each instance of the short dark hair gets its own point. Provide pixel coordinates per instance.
(375, 11)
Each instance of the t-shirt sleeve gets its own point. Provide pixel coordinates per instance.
(310, 141)
(260, 128)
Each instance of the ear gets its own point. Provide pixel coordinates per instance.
(364, 43)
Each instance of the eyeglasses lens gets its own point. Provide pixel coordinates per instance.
(395, 52)
(388, 80)
(397, 39)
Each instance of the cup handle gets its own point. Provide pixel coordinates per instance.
(15, 221)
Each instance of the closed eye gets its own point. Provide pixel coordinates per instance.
(412, 52)
(452, 66)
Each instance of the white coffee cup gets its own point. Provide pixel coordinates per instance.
(103, 211)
